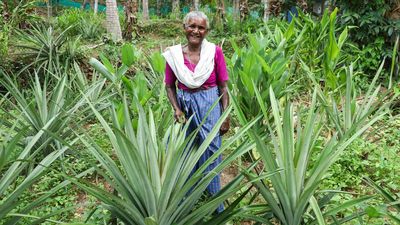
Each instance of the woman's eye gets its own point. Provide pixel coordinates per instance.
(200, 28)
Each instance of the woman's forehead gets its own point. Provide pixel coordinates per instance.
(197, 20)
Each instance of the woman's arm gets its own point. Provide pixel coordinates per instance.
(223, 90)
(171, 93)
(170, 80)
(222, 81)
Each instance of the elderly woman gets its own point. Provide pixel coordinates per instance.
(199, 69)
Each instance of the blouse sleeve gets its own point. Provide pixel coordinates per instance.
(221, 70)
(170, 77)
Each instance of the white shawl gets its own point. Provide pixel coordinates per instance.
(174, 57)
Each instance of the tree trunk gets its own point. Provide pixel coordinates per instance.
(222, 8)
(158, 7)
(196, 5)
(220, 15)
(266, 10)
(145, 10)
(96, 5)
(5, 10)
(244, 10)
(112, 19)
(274, 7)
(302, 4)
(131, 10)
(175, 7)
(236, 6)
(49, 10)
(83, 4)
(323, 7)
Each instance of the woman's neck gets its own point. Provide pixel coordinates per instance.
(194, 48)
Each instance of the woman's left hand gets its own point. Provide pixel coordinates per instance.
(225, 126)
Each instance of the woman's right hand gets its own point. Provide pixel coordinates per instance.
(179, 116)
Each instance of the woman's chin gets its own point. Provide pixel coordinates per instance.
(194, 41)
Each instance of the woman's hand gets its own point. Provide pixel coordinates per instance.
(223, 90)
(225, 126)
(179, 116)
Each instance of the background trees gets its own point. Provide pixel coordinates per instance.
(113, 25)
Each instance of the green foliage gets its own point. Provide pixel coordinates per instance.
(67, 203)
(376, 157)
(20, 14)
(254, 68)
(371, 54)
(294, 188)
(154, 183)
(371, 19)
(391, 209)
(119, 76)
(230, 26)
(375, 29)
(4, 32)
(58, 107)
(4, 40)
(15, 181)
(332, 51)
(81, 23)
(163, 28)
(45, 48)
(318, 48)
(130, 141)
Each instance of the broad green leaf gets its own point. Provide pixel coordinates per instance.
(103, 70)
(128, 54)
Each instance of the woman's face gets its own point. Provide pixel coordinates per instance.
(196, 30)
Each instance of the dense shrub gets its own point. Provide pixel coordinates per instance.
(377, 24)
(79, 22)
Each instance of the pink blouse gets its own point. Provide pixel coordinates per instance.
(218, 75)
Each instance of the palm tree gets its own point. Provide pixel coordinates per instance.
(49, 9)
(145, 9)
(196, 4)
(95, 7)
(244, 9)
(159, 3)
(131, 25)
(84, 3)
(175, 7)
(113, 26)
(266, 9)
(219, 19)
(221, 8)
(236, 6)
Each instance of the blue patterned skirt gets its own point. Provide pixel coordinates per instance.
(198, 104)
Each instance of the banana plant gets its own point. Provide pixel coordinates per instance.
(152, 172)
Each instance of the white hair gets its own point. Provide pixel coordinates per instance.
(196, 14)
